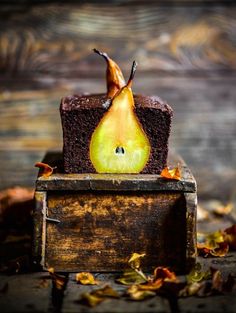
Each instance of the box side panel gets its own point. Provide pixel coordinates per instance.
(191, 223)
(39, 227)
(99, 231)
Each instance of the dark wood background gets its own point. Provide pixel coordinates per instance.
(186, 53)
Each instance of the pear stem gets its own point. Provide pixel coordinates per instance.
(133, 70)
(103, 54)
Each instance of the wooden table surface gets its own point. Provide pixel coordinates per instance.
(34, 292)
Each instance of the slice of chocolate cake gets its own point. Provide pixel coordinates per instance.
(80, 115)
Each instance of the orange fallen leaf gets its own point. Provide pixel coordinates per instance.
(165, 274)
(45, 169)
(136, 293)
(171, 173)
(85, 278)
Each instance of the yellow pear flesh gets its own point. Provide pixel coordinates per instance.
(119, 143)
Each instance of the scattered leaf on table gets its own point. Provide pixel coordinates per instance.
(230, 236)
(197, 274)
(85, 278)
(212, 244)
(191, 289)
(107, 292)
(219, 284)
(97, 296)
(223, 210)
(130, 277)
(135, 260)
(58, 280)
(91, 300)
(171, 173)
(165, 274)
(136, 293)
(221, 250)
(45, 169)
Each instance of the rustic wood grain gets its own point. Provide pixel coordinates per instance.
(41, 62)
(99, 231)
(115, 182)
(58, 39)
(38, 242)
(26, 293)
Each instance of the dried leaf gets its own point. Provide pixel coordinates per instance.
(230, 236)
(165, 274)
(107, 292)
(223, 210)
(197, 275)
(138, 294)
(221, 250)
(152, 285)
(190, 289)
(135, 260)
(90, 299)
(217, 280)
(45, 169)
(212, 245)
(131, 277)
(85, 278)
(171, 173)
(59, 281)
(97, 296)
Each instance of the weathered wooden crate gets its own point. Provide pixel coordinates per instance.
(95, 222)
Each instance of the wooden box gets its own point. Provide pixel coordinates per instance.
(94, 222)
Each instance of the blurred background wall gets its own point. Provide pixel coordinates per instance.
(186, 52)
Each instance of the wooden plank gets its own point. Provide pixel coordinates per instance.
(98, 232)
(26, 293)
(59, 39)
(39, 240)
(217, 304)
(191, 232)
(74, 292)
(207, 144)
(115, 181)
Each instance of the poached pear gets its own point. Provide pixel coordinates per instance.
(119, 143)
(114, 77)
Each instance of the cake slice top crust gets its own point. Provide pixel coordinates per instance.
(87, 101)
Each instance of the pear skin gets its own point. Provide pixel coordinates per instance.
(119, 143)
(114, 76)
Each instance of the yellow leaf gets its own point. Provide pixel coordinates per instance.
(97, 296)
(91, 299)
(197, 275)
(85, 278)
(107, 292)
(135, 261)
(130, 277)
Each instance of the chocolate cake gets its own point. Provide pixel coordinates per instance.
(80, 114)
